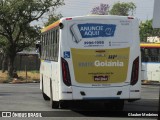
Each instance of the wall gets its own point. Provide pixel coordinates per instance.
(31, 62)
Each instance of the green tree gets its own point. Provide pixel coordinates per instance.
(146, 30)
(15, 19)
(102, 9)
(53, 18)
(3, 44)
(123, 9)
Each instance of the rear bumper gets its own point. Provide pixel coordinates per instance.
(101, 93)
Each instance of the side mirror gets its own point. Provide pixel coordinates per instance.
(38, 48)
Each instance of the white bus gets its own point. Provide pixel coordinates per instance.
(150, 61)
(91, 58)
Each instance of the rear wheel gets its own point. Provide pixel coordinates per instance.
(44, 95)
(54, 104)
(64, 104)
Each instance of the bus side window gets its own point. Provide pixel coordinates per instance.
(57, 44)
(54, 45)
(48, 46)
(142, 54)
(43, 47)
(56, 54)
(47, 51)
(51, 48)
(44, 50)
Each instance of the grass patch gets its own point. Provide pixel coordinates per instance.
(3, 77)
(31, 76)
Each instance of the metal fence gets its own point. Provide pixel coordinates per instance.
(24, 61)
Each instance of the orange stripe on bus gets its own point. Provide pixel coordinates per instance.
(53, 25)
(150, 45)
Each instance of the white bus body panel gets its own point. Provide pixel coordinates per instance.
(125, 36)
(150, 71)
(50, 71)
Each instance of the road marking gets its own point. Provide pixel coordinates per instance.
(152, 87)
(149, 98)
(19, 85)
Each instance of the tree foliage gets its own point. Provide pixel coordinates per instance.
(146, 30)
(123, 9)
(102, 9)
(15, 28)
(3, 49)
(53, 18)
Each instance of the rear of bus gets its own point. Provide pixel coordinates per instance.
(100, 58)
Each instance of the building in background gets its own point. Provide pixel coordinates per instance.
(154, 39)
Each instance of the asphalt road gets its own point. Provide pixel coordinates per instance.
(27, 97)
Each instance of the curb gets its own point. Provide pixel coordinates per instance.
(155, 84)
(149, 82)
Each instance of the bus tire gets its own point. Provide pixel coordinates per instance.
(64, 104)
(44, 95)
(119, 105)
(115, 105)
(54, 104)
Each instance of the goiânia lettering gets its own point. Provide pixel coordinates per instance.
(99, 63)
(117, 63)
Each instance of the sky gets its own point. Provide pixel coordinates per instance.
(144, 10)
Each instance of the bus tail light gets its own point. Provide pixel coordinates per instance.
(130, 17)
(68, 18)
(65, 72)
(135, 71)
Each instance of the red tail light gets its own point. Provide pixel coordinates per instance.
(135, 71)
(65, 73)
(68, 18)
(130, 17)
